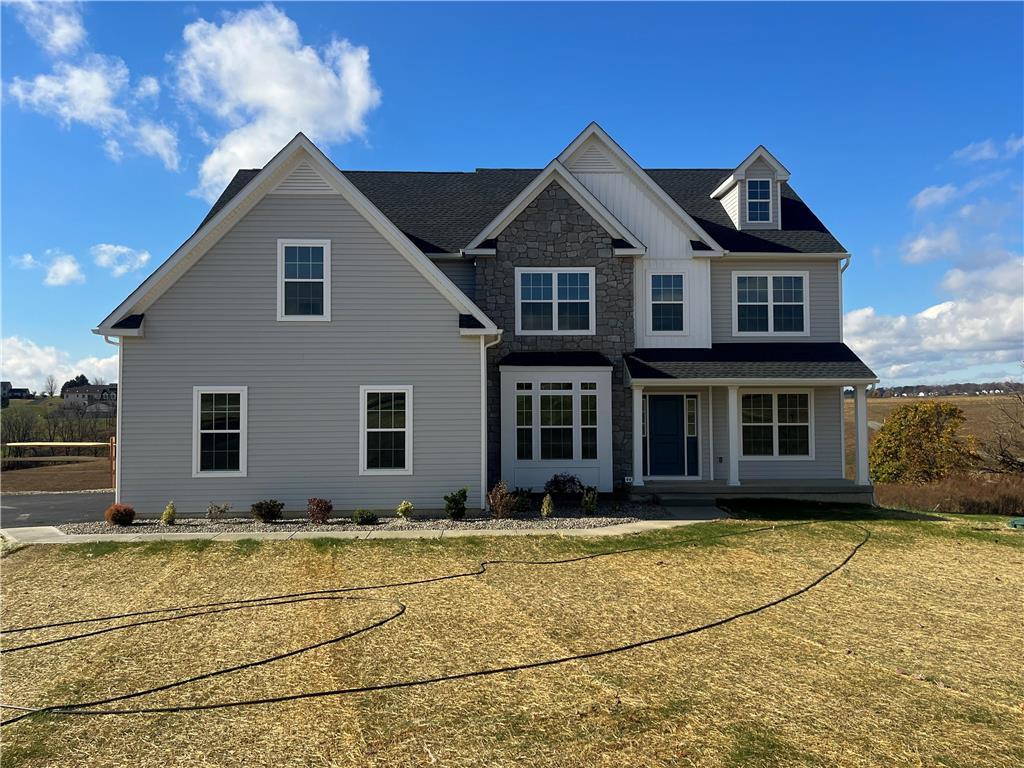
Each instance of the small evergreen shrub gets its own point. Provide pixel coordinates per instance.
(565, 489)
(217, 511)
(501, 501)
(319, 510)
(524, 501)
(405, 509)
(119, 514)
(547, 506)
(364, 517)
(268, 510)
(170, 512)
(588, 502)
(455, 504)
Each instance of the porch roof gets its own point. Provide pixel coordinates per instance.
(573, 358)
(759, 361)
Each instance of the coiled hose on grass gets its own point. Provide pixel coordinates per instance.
(94, 708)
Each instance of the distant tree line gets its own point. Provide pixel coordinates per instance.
(943, 390)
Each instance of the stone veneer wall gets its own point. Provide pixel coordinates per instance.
(555, 231)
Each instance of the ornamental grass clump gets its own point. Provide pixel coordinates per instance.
(319, 510)
(588, 502)
(268, 510)
(119, 514)
(547, 506)
(455, 504)
(170, 513)
(405, 509)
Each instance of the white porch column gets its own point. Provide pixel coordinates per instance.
(734, 436)
(638, 436)
(860, 417)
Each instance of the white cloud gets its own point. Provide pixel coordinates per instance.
(253, 73)
(157, 140)
(63, 269)
(26, 364)
(112, 148)
(83, 93)
(1013, 146)
(56, 26)
(976, 151)
(147, 88)
(119, 259)
(930, 196)
(25, 261)
(927, 247)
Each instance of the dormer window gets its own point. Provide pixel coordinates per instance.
(759, 200)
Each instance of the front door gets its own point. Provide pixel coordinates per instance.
(672, 435)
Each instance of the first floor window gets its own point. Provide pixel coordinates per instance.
(771, 303)
(304, 276)
(556, 414)
(588, 420)
(524, 421)
(776, 424)
(666, 302)
(387, 440)
(554, 420)
(219, 415)
(551, 301)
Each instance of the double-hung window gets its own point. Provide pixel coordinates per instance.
(219, 416)
(770, 303)
(667, 303)
(759, 200)
(303, 279)
(776, 425)
(556, 421)
(385, 430)
(555, 301)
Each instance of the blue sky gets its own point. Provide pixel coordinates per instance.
(901, 126)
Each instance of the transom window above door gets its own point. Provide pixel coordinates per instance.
(303, 279)
(555, 301)
(770, 303)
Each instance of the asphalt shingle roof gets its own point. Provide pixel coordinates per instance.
(442, 212)
(744, 360)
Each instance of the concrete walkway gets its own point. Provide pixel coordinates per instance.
(51, 535)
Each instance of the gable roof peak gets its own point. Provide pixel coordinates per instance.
(739, 172)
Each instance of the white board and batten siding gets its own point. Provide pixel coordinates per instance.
(666, 237)
(217, 327)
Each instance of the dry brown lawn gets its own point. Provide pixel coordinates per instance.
(76, 476)
(908, 656)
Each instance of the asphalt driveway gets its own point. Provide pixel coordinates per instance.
(20, 510)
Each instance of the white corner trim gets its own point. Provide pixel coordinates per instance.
(554, 272)
(326, 316)
(363, 390)
(555, 171)
(243, 432)
(771, 333)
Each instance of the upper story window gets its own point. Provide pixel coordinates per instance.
(219, 416)
(555, 301)
(303, 279)
(759, 200)
(770, 303)
(667, 303)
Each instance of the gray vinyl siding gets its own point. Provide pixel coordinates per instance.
(827, 462)
(461, 272)
(217, 326)
(823, 291)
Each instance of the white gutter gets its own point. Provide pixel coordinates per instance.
(846, 262)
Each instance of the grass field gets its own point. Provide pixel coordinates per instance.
(77, 476)
(907, 656)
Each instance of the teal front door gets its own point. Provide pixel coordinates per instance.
(672, 439)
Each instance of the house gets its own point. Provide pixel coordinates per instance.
(95, 399)
(376, 336)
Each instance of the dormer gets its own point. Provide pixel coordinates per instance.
(751, 194)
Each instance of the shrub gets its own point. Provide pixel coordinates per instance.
(119, 514)
(565, 489)
(405, 509)
(455, 503)
(547, 506)
(364, 517)
(217, 511)
(588, 502)
(918, 443)
(170, 512)
(501, 501)
(524, 501)
(268, 510)
(319, 510)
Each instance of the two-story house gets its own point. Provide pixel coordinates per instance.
(373, 336)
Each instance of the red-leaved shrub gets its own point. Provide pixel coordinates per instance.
(119, 514)
(319, 510)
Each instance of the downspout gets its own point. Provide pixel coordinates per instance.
(846, 262)
(117, 425)
(484, 346)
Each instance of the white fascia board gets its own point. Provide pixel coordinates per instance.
(780, 383)
(118, 331)
(480, 332)
(477, 252)
(620, 154)
(782, 255)
(556, 368)
(155, 285)
(725, 186)
(555, 171)
(781, 172)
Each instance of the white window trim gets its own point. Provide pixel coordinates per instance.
(771, 302)
(326, 316)
(243, 437)
(746, 202)
(775, 424)
(390, 388)
(554, 271)
(650, 302)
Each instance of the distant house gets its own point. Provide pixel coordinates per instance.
(5, 389)
(17, 393)
(98, 399)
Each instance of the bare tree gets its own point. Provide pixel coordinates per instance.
(1004, 451)
(98, 380)
(50, 386)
